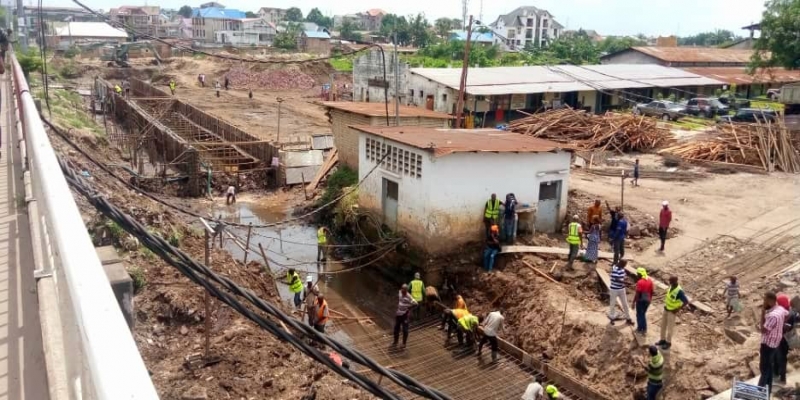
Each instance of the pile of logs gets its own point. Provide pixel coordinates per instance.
(611, 131)
(768, 146)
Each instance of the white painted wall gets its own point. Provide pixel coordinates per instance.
(444, 209)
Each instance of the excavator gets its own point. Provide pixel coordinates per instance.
(118, 55)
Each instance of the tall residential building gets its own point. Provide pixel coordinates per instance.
(271, 14)
(527, 25)
(142, 19)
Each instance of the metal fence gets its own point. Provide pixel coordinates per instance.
(89, 350)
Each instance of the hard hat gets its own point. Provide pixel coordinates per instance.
(416, 275)
(665, 203)
(641, 271)
(310, 279)
(495, 228)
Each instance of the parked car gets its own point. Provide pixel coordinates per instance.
(706, 106)
(750, 115)
(774, 94)
(734, 102)
(666, 110)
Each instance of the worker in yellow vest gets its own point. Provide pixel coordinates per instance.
(552, 392)
(172, 86)
(491, 212)
(117, 89)
(416, 287)
(322, 244)
(467, 326)
(574, 239)
(295, 286)
(674, 302)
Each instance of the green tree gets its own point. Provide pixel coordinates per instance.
(185, 12)
(315, 16)
(613, 44)
(392, 22)
(779, 43)
(719, 37)
(294, 15)
(443, 26)
(288, 38)
(573, 49)
(250, 14)
(420, 31)
(348, 31)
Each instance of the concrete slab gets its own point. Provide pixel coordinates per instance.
(22, 367)
(122, 285)
(108, 255)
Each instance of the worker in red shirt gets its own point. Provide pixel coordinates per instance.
(642, 299)
(663, 223)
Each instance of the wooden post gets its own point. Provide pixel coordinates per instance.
(280, 238)
(303, 181)
(207, 301)
(247, 243)
(622, 192)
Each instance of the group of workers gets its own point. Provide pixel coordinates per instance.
(491, 215)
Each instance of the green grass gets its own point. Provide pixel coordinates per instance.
(137, 275)
(344, 64)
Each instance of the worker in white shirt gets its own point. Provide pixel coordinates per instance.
(230, 196)
(534, 391)
(492, 324)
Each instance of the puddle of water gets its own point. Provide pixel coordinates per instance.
(294, 246)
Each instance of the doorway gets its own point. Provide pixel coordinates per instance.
(548, 206)
(390, 197)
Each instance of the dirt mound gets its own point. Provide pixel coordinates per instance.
(281, 79)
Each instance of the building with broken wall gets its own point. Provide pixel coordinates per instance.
(433, 184)
(369, 82)
(342, 115)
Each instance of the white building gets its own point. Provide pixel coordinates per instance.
(434, 183)
(527, 25)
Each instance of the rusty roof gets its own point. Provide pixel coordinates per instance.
(441, 141)
(696, 54)
(379, 109)
(738, 75)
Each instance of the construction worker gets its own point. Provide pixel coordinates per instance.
(467, 326)
(310, 292)
(216, 87)
(655, 373)
(322, 243)
(227, 82)
(460, 303)
(404, 305)
(202, 79)
(172, 86)
(416, 288)
(574, 239)
(491, 212)
(534, 391)
(552, 392)
(230, 195)
(491, 326)
(322, 314)
(492, 248)
(431, 297)
(673, 304)
(450, 319)
(118, 90)
(295, 285)
(127, 86)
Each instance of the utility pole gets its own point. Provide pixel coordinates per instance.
(462, 87)
(396, 82)
(280, 100)
(22, 31)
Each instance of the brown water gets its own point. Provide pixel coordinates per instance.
(362, 292)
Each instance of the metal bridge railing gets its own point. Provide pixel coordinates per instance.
(89, 350)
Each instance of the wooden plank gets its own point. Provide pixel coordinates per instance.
(324, 169)
(542, 274)
(547, 250)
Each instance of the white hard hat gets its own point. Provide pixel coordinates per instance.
(309, 279)
(664, 203)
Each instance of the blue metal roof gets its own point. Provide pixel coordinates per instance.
(487, 37)
(317, 34)
(214, 12)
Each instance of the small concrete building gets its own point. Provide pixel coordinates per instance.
(343, 114)
(433, 183)
(79, 33)
(369, 81)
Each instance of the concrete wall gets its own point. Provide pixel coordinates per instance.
(316, 45)
(346, 138)
(444, 98)
(369, 68)
(443, 209)
(588, 99)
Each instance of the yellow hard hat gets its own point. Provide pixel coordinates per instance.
(551, 389)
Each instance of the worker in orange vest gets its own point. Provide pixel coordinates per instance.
(322, 314)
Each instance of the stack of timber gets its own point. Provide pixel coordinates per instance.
(587, 131)
(765, 145)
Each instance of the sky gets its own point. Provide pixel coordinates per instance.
(607, 17)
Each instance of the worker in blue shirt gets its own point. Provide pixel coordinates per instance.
(618, 237)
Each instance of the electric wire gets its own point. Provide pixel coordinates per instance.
(208, 279)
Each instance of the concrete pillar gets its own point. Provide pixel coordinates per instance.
(121, 282)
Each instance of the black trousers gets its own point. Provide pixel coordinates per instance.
(662, 234)
(460, 333)
(320, 252)
(450, 321)
(766, 365)
(492, 340)
(781, 359)
(619, 249)
(401, 323)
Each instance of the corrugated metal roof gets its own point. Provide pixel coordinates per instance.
(90, 29)
(317, 34)
(220, 13)
(739, 75)
(379, 109)
(442, 142)
(563, 78)
(696, 54)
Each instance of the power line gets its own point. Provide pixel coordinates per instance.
(208, 279)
